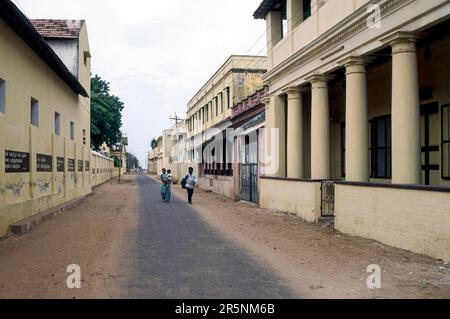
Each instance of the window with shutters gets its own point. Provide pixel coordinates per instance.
(228, 98)
(57, 125)
(381, 147)
(34, 112)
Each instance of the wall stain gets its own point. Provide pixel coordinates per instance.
(14, 189)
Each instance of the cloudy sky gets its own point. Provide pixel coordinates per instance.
(157, 54)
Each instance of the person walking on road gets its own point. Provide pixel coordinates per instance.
(191, 182)
(169, 186)
(164, 186)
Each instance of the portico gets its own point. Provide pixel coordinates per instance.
(361, 108)
(405, 110)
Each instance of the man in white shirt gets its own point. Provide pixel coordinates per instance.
(191, 183)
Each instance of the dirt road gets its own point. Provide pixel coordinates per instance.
(129, 244)
(91, 236)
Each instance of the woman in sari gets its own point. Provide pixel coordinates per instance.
(164, 181)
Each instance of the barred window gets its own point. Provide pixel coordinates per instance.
(446, 142)
(381, 147)
(227, 90)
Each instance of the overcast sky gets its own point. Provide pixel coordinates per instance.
(157, 54)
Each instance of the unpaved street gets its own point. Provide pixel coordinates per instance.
(129, 244)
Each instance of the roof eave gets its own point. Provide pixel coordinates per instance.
(23, 27)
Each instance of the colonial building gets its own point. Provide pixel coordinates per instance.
(209, 113)
(155, 158)
(360, 98)
(45, 157)
(170, 152)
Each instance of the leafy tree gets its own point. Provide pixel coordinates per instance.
(132, 161)
(106, 114)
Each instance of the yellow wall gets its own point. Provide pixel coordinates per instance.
(295, 197)
(417, 221)
(27, 76)
(102, 170)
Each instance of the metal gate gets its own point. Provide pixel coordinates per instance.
(327, 190)
(249, 183)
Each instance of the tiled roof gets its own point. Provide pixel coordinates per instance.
(57, 29)
(18, 22)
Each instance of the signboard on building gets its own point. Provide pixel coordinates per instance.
(17, 162)
(43, 163)
(60, 164)
(71, 165)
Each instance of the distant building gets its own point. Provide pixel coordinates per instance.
(170, 152)
(155, 158)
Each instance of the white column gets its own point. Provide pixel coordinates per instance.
(357, 121)
(275, 139)
(406, 146)
(320, 127)
(295, 144)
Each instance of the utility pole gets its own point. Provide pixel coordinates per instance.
(123, 143)
(121, 162)
(176, 119)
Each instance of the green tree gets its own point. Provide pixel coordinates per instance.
(106, 114)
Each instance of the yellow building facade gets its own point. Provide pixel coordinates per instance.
(211, 108)
(360, 99)
(170, 153)
(45, 157)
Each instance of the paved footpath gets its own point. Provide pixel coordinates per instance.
(174, 254)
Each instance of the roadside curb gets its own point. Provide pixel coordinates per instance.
(24, 226)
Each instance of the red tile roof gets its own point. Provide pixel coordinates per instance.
(18, 22)
(57, 29)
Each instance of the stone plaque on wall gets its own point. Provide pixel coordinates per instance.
(17, 162)
(80, 165)
(43, 163)
(60, 164)
(71, 165)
